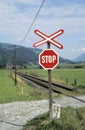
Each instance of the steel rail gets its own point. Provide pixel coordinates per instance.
(58, 88)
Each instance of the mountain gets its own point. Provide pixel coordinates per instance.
(21, 55)
(80, 58)
(5, 45)
(62, 60)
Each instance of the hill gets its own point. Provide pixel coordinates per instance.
(62, 60)
(80, 58)
(24, 56)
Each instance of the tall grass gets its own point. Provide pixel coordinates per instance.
(71, 119)
(10, 92)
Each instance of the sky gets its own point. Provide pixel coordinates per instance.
(16, 16)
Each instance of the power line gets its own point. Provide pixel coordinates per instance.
(32, 23)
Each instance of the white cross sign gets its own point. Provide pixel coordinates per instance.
(49, 38)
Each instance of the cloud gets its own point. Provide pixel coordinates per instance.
(83, 38)
(12, 18)
(70, 17)
(11, 15)
(83, 49)
(64, 10)
(79, 50)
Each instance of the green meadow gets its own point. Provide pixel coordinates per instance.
(71, 77)
(10, 92)
(60, 75)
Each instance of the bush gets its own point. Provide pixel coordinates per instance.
(78, 66)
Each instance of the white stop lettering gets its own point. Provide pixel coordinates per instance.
(48, 59)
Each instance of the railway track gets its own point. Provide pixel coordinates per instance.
(58, 88)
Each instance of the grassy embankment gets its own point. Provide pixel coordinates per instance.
(71, 119)
(20, 92)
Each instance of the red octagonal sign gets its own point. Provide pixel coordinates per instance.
(48, 59)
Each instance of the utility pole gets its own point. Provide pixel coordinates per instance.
(15, 63)
(14, 66)
(9, 66)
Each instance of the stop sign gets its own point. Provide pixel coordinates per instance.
(48, 59)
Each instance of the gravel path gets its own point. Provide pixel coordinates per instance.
(14, 115)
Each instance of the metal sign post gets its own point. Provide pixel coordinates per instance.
(50, 96)
(50, 89)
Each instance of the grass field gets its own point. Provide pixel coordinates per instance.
(63, 74)
(9, 92)
(72, 77)
(70, 119)
(20, 92)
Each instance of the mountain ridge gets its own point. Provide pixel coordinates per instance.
(80, 58)
(24, 55)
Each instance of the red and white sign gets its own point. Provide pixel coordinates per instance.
(48, 59)
(49, 38)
